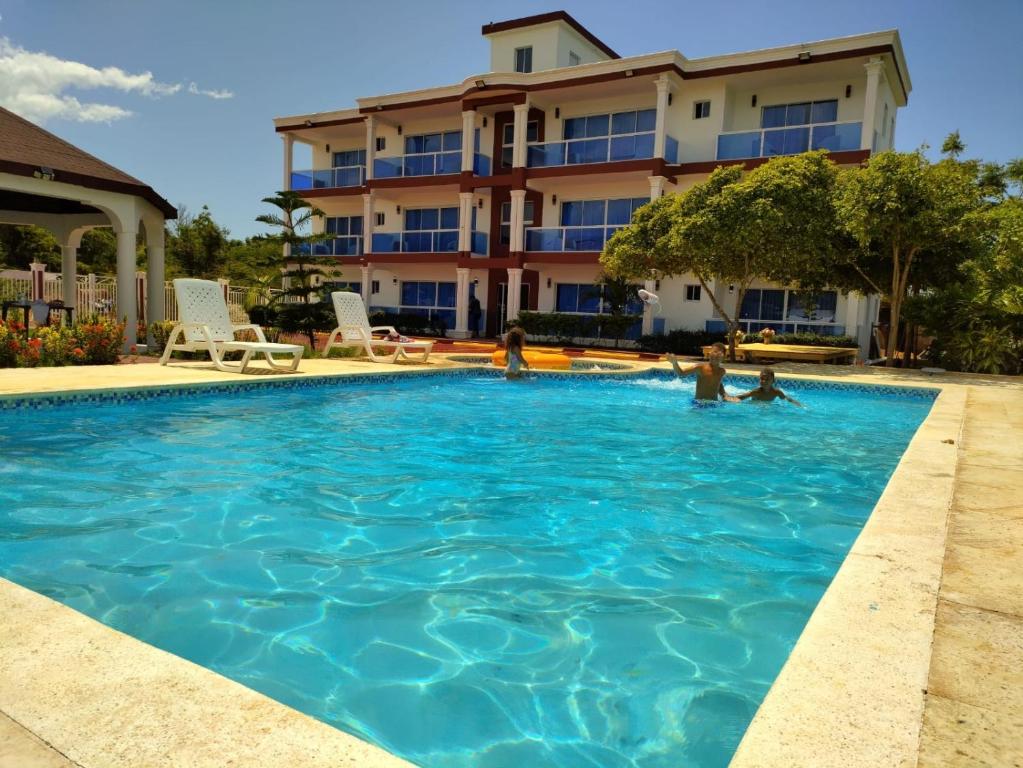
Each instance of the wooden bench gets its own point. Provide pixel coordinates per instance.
(762, 353)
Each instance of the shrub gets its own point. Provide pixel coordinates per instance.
(679, 342)
(96, 341)
(264, 315)
(414, 325)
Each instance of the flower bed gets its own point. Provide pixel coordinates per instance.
(96, 341)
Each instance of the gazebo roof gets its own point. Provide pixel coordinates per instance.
(26, 149)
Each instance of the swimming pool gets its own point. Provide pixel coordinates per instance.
(565, 571)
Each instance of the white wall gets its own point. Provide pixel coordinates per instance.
(543, 39)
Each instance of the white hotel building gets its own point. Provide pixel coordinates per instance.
(508, 184)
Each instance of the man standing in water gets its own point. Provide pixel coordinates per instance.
(709, 376)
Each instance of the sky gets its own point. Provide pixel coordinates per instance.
(182, 94)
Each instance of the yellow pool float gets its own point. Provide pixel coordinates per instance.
(548, 360)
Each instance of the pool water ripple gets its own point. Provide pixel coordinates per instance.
(467, 571)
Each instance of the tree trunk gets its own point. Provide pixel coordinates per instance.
(893, 332)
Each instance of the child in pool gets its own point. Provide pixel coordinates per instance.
(709, 376)
(514, 342)
(767, 392)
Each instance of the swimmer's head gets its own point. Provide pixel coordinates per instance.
(766, 377)
(717, 351)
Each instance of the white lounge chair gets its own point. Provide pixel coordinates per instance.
(207, 327)
(354, 329)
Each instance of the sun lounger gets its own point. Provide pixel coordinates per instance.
(353, 330)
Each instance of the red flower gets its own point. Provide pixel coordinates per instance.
(35, 343)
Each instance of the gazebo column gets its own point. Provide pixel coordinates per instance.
(69, 276)
(126, 310)
(156, 310)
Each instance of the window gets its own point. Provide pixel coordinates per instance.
(450, 141)
(347, 236)
(430, 230)
(374, 286)
(380, 219)
(701, 109)
(589, 299)
(631, 136)
(527, 220)
(803, 113)
(381, 143)
(573, 59)
(693, 292)
(430, 154)
(429, 299)
(789, 311)
(524, 59)
(349, 158)
(508, 139)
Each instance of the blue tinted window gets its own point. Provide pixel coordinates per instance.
(571, 214)
(446, 295)
(772, 117)
(432, 142)
(596, 125)
(355, 225)
(825, 111)
(413, 219)
(593, 212)
(574, 128)
(797, 114)
(449, 218)
(589, 298)
(427, 294)
(771, 304)
(409, 292)
(331, 226)
(413, 144)
(476, 140)
(646, 119)
(452, 141)
(619, 211)
(429, 218)
(568, 298)
(751, 304)
(623, 122)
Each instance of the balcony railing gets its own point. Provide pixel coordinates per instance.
(480, 164)
(330, 178)
(428, 164)
(606, 149)
(563, 239)
(348, 245)
(834, 137)
(426, 241)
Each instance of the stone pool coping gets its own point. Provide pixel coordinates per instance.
(850, 694)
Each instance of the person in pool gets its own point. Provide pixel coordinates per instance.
(709, 376)
(767, 392)
(516, 360)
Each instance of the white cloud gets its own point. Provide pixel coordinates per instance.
(33, 85)
(221, 94)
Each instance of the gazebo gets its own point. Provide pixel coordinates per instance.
(50, 183)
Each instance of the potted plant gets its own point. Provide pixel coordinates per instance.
(767, 335)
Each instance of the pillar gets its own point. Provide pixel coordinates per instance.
(38, 273)
(465, 221)
(661, 122)
(468, 138)
(514, 292)
(89, 307)
(518, 214)
(648, 311)
(156, 285)
(519, 146)
(875, 71)
(140, 297)
(126, 310)
(367, 283)
(368, 222)
(289, 143)
(69, 276)
(656, 186)
(461, 330)
(371, 145)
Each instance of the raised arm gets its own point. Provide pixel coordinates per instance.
(679, 370)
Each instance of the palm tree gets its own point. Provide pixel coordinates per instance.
(953, 145)
(294, 214)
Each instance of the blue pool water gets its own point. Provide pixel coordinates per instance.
(463, 570)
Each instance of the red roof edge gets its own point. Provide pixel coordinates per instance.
(544, 18)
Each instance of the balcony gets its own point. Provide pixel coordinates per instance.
(566, 239)
(605, 149)
(330, 178)
(426, 164)
(426, 241)
(350, 245)
(834, 137)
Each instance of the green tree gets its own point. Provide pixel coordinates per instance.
(292, 221)
(21, 245)
(953, 145)
(98, 252)
(775, 223)
(902, 210)
(196, 245)
(1014, 175)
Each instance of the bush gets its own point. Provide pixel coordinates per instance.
(261, 314)
(303, 318)
(413, 325)
(679, 342)
(806, 339)
(97, 341)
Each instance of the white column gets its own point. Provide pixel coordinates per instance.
(369, 221)
(367, 284)
(875, 71)
(289, 143)
(648, 311)
(90, 297)
(126, 309)
(867, 317)
(465, 221)
(371, 145)
(518, 216)
(514, 292)
(461, 330)
(156, 310)
(656, 186)
(468, 138)
(519, 147)
(69, 275)
(661, 122)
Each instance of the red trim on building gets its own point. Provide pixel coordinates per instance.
(409, 258)
(322, 124)
(453, 179)
(507, 98)
(333, 192)
(562, 257)
(849, 157)
(654, 166)
(546, 18)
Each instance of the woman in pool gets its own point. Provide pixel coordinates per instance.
(767, 392)
(513, 344)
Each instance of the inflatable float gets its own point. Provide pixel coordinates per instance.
(546, 360)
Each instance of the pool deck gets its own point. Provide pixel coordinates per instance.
(914, 656)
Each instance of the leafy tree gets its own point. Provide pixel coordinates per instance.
(98, 252)
(196, 245)
(903, 211)
(953, 145)
(1014, 175)
(776, 223)
(616, 294)
(21, 245)
(293, 215)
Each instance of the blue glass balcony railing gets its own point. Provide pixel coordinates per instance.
(428, 164)
(329, 178)
(480, 164)
(479, 243)
(349, 245)
(834, 137)
(606, 149)
(563, 239)
(419, 241)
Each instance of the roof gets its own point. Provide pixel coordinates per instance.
(546, 18)
(25, 148)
